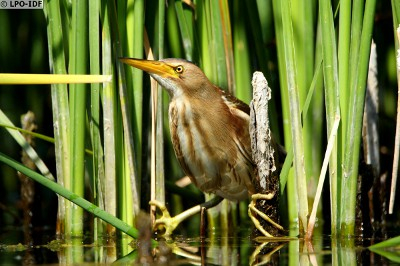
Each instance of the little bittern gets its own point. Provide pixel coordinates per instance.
(209, 129)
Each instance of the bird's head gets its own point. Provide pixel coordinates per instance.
(177, 76)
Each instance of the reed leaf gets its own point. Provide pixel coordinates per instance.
(19, 138)
(95, 112)
(283, 76)
(81, 202)
(109, 117)
(77, 92)
(294, 104)
(396, 19)
(355, 115)
(185, 18)
(330, 67)
(134, 82)
(59, 96)
(241, 52)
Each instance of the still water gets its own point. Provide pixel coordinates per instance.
(216, 249)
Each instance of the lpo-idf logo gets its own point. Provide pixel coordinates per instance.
(19, 4)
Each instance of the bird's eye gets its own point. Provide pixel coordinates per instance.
(179, 69)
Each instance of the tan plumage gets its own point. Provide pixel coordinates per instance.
(209, 128)
(210, 146)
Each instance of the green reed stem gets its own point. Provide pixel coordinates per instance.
(135, 33)
(283, 76)
(226, 33)
(330, 67)
(241, 52)
(81, 202)
(294, 105)
(303, 13)
(354, 126)
(78, 65)
(186, 29)
(94, 118)
(109, 116)
(344, 83)
(59, 96)
(159, 126)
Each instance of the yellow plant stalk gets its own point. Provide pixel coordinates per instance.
(17, 79)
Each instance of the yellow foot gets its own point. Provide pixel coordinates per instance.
(165, 221)
(253, 209)
(170, 223)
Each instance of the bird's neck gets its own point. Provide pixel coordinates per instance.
(192, 107)
(184, 108)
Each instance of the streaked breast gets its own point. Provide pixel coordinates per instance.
(209, 152)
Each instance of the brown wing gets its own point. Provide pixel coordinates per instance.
(234, 102)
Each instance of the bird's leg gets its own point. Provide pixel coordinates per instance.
(170, 223)
(252, 208)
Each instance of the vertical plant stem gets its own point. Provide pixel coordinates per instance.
(283, 76)
(186, 29)
(134, 40)
(344, 83)
(397, 137)
(160, 171)
(129, 204)
(353, 134)
(317, 104)
(59, 96)
(126, 184)
(343, 55)
(108, 103)
(297, 137)
(204, 38)
(242, 56)
(217, 46)
(227, 45)
(97, 161)
(396, 27)
(302, 14)
(174, 39)
(131, 27)
(78, 59)
(330, 68)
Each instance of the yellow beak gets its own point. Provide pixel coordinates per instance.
(151, 66)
